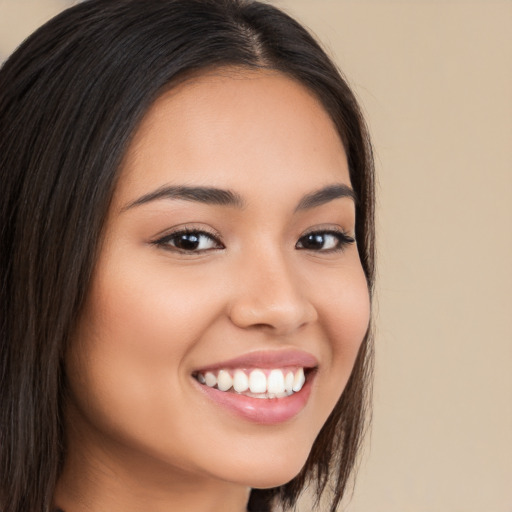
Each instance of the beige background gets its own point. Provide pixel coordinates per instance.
(435, 78)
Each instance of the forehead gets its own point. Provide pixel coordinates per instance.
(229, 126)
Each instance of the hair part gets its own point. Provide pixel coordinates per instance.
(71, 98)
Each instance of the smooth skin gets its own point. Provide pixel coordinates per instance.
(245, 277)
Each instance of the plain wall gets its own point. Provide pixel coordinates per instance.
(435, 79)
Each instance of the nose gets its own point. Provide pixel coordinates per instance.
(270, 295)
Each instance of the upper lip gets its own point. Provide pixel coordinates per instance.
(266, 359)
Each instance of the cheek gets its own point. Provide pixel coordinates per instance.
(148, 312)
(127, 368)
(350, 317)
(133, 338)
(346, 317)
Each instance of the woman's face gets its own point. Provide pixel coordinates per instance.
(228, 259)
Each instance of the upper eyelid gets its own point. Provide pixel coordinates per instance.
(330, 230)
(187, 229)
(326, 229)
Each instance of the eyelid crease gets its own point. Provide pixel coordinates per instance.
(191, 227)
(331, 229)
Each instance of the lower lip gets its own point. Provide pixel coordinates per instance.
(266, 411)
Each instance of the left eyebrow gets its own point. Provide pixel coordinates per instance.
(325, 195)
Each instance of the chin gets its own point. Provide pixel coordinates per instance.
(274, 470)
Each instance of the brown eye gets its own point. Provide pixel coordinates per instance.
(324, 241)
(189, 241)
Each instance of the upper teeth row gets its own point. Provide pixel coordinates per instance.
(278, 381)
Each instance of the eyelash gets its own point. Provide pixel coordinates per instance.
(342, 240)
(168, 242)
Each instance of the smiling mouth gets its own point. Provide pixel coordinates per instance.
(255, 383)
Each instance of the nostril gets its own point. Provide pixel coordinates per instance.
(281, 319)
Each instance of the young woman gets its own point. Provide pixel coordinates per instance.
(186, 262)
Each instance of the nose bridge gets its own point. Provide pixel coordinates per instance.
(269, 293)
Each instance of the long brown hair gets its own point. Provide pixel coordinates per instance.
(71, 98)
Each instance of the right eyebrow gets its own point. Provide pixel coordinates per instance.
(207, 195)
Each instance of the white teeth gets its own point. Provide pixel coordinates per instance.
(275, 382)
(210, 379)
(240, 382)
(278, 384)
(224, 380)
(288, 382)
(299, 380)
(257, 382)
